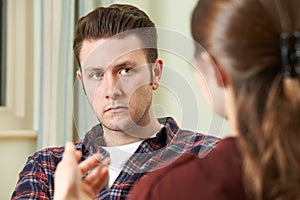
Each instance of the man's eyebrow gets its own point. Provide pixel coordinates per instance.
(93, 68)
(125, 63)
(116, 65)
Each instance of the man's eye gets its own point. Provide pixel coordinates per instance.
(96, 75)
(125, 71)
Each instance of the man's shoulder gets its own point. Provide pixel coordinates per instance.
(187, 137)
(195, 142)
(51, 154)
(171, 122)
(196, 136)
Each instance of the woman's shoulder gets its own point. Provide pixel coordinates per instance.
(191, 176)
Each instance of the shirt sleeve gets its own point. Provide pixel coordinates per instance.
(32, 183)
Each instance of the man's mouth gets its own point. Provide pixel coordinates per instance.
(115, 109)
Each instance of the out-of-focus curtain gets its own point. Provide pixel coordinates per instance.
(54, 70)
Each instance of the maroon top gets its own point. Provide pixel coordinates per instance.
(217, 176)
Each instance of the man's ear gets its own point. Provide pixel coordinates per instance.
(156, 73)
(79, 75)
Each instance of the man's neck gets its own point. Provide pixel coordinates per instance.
(132, 135)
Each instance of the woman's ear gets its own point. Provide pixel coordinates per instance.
(212, 82)
(156, 73)
(221, 77)
(214, 69)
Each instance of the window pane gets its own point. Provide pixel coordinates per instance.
(3, 53)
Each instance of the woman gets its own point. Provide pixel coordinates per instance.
(255, 45)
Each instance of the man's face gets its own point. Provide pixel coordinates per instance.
(117, 81)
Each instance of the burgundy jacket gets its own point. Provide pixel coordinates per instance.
(218, 176)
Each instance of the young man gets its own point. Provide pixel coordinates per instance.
(116, 48)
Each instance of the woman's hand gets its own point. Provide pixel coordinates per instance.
(79, 181)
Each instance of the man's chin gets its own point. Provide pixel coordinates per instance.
(118, 126)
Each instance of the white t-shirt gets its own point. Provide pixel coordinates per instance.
(119, 156)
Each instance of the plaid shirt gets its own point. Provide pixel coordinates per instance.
(36, 180)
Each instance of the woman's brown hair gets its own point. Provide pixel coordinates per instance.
(243, 37)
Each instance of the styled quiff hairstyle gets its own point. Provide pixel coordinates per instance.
(105, 22)
(243, 38)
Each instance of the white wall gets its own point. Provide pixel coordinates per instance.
(13, 153)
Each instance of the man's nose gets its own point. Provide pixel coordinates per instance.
(111, 87)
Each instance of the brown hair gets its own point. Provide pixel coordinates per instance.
(104, 22)
(243, 37)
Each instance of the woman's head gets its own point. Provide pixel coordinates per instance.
(243, 39)
(243, 36)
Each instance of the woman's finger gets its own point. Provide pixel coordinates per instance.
(99, 176)
(69, 152)
(90, 162)
(78, 155)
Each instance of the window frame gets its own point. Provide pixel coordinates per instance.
(3, 26)
(17, 115)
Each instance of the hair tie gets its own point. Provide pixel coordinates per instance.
(290, 54)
